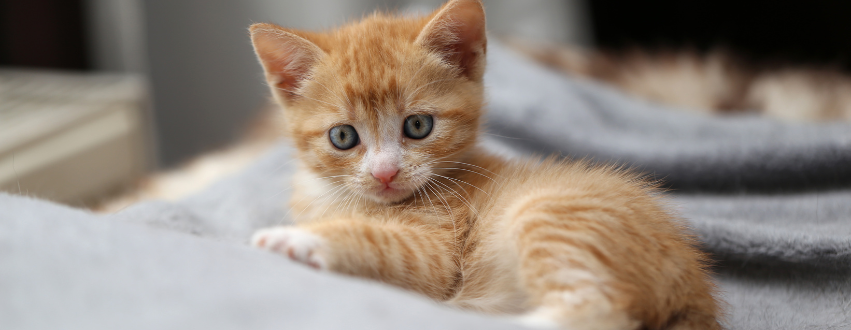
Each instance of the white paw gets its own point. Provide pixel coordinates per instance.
(589, 316)
(298, 244)
(537, 320)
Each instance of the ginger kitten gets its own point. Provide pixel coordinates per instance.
(384, 114)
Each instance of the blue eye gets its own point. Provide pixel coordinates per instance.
(418, 126)
(343, 137)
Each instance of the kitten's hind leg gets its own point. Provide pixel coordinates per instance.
(567, 284)
(587, 263)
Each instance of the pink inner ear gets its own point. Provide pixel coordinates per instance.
(465, 53)
(288, 75)
(458, 33)
(286, 58)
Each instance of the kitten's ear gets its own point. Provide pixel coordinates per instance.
(286, 57)
(457, 33)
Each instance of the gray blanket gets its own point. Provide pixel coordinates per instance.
(770, 200)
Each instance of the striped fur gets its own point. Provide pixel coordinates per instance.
(555, 242)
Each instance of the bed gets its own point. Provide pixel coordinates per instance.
(770, 200)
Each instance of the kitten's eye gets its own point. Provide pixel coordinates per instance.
(418, 126)
(344, 137)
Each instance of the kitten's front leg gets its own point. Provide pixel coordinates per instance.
(415, 258)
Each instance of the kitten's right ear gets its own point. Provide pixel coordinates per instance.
(456, 32)
(286, 57)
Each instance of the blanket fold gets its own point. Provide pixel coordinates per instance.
(546, 112)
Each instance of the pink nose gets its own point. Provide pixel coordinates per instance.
(385, 174)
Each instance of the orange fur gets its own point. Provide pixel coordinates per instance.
(558, 242)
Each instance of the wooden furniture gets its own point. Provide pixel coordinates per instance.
(72, 137)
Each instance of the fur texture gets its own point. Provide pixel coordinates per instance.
(559, 242)
(715, 82)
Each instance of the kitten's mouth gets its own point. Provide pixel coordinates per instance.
(389, 189)
(391, 192)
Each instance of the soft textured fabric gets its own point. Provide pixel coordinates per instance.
(770, 200)
(66, 269)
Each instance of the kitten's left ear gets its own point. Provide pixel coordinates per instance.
(457, 33)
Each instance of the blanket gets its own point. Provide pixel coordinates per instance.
(771, 201)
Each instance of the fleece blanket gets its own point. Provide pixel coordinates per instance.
(770, 200)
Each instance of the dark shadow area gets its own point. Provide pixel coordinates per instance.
(43, 34)
(811, 32)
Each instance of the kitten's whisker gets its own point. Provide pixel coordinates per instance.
(460, 249)
(430, 202)
(466, 170)
(451, 219)
(326, 184)
(455, 193)
(279, 193)
(437, 196)
(440, 159)
(353, 195)
(357, 203)
(441, 199)
(462, 181)
(331, 176)
(303, 197)
(468, 164)
(348, 201)
(415, 197)
(339, 193)
(433, 208)
(422, 199)
(282, 165)
(342, 202)
(274, 175)
(334, 191)
(354, 203)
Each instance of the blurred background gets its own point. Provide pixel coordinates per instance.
(94, 93)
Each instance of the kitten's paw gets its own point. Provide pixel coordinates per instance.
(584, 308)
(298, 244)
(536, 321)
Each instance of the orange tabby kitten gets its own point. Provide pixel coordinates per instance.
(392, 186)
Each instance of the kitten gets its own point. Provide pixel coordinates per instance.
(392, 186)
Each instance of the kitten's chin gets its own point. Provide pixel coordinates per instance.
(390, 195)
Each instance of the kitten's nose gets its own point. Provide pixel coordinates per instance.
(385, 174)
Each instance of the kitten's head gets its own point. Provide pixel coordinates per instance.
(384, 104)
